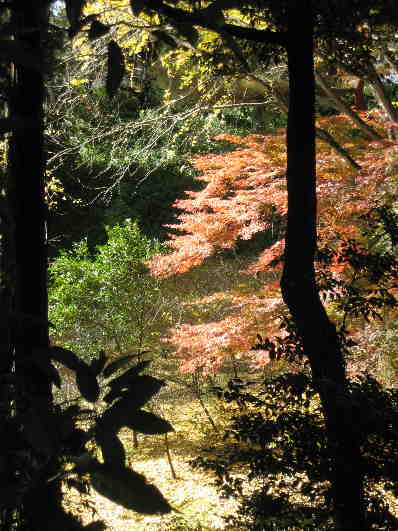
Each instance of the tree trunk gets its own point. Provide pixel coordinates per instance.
(25, 192)
(360, 102)
(319, 133)
(299, 290)
(26, 188)
(346, 109)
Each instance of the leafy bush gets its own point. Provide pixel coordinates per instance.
(59, 444)
(275, 460)
(106, 300)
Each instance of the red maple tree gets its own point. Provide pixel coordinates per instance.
(244, 193)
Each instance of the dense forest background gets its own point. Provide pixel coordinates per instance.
(195, 328)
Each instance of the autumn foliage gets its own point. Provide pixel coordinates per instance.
(244, 194)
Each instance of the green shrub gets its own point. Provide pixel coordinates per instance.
(106, 300)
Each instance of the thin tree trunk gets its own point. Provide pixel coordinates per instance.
(196, 390)
(360, 102)
(172, 469)
(346, 109)
(299, 290)
(327, 137)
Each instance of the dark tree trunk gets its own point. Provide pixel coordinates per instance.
(360, 102)
(27, 246)
(26, 189)
(318, 334)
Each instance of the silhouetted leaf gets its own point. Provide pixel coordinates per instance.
(97, 29)
(112, 449)
(74, 9)
(188, 32)
(130, 489)
(96, 526)
(85, 376)
(65, 356)
(98, 364)
(137, 6)
(142, 389)
(148, 423)
(116, 365)
(213, 13)
(87, 383)
(84, 463)
(76, 441)
(116, 68)
(129, 376)
(166, 38)
(48, 369)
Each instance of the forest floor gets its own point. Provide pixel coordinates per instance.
(197, 502)
(192, 494)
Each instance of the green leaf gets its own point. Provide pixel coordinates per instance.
(116, 68)
(142, 389)
(130, 489)
(148, 423)
(119, 364)
(97, 30)
(137, 6)
(112, 449)
(87, 383)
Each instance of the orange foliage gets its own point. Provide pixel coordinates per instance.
(244, 192)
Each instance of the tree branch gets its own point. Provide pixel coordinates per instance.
(200, 18)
